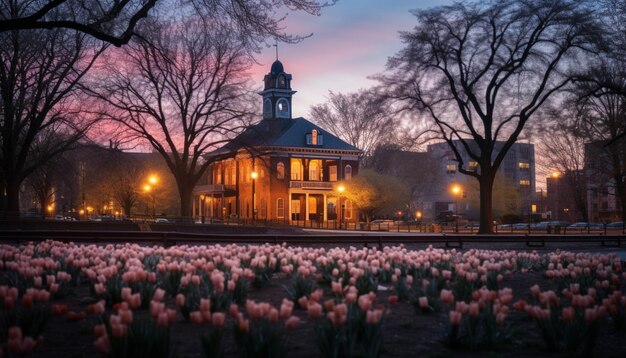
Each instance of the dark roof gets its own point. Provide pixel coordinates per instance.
(282, 133)
(277, 67)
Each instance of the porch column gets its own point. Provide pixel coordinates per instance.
(306, 208)
(289, 206)
(325, 209)
(193, 208)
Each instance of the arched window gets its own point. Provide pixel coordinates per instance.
(267, 108)
(347, 174)
(282, 108)
(263, 209)
(280, 170)
(296, 170)
(314, 170)
(282, 81)
(280, 208)
(314, 137)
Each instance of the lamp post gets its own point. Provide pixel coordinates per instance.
(341, 189)
(149, 189)
(456, 191)
(253, 175)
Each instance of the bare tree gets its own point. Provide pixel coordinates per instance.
(563, 152)
(112, 21)
(480, 73)
(601, 119)
(40, 117)
(182, 93)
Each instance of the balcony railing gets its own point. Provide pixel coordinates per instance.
(311, 185)
(209, 188)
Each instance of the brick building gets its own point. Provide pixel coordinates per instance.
(282, 168)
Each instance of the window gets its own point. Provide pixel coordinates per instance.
(471, 166)
(263, 209)
(347, 172)
(451, 168)
(524, 167)
(347, 209)
(233, 175)
(331, 209)
(282, 82)
(605, 191)
(267, 108)
(332, 172)
(314, 170)
(282, 108)
(296, 169)
(280, 208)
(524, 182)
(280, 170)
(314, 138)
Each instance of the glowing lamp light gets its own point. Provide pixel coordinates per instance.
(555, 175)
(418, 214)
(341, 189)
(254, 175)
(153, 179)
(456, 190)
(147, 188)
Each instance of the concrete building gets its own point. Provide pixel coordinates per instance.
(514, 188)
(282, 169)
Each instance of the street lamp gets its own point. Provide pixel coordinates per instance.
(341, 189)
(148, 189)
(253, 175)
(456, 191)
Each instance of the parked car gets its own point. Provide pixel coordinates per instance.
(519, 226)
(161, 221)
(585, 225)
(615, 225)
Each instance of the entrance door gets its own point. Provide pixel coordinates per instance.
(295, 209)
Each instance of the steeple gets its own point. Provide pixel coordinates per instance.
(277, 93)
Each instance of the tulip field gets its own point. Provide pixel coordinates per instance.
(126, 300)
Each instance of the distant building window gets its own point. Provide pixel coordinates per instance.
(524, 167)
(347, 172)
(314, 137)
(332, 173)
(280, 208)
(524, 182)
(280, 170)
(451, 168)
(471, 166)
(296, 169)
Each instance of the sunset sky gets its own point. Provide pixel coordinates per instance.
(351, 41)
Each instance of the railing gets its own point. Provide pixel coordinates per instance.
(311, 185)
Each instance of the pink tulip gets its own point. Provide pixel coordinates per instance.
(218, 319)
(292, 323)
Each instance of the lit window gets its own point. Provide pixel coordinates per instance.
(451, 168)
(524, 167)
(314, 137)
(296, 169)
(524, 182)
(347, 172)
(347, 209)
(332, 173)
(280, 170)
(282, 108)
(471, 166)
(314, 170)
(280, 208)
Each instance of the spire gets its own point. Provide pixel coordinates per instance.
(276, 45)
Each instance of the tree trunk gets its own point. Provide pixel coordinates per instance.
(186, 192)
(13, 197)
(486, 180)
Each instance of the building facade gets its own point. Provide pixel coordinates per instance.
(603, 204)
(514, 187)
(283, 168)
